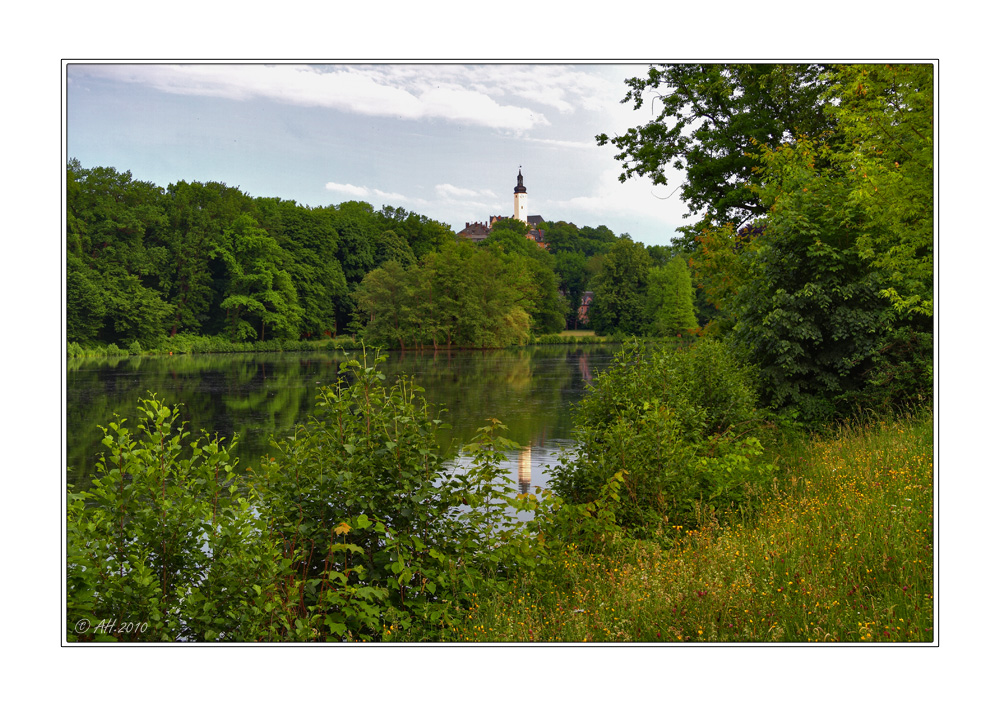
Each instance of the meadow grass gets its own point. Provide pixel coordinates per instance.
(840, 551)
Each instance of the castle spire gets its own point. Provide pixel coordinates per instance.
(519, 189)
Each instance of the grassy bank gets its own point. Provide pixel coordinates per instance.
(182, 344)
(841, 551)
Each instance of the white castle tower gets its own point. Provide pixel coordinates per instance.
(520, 199)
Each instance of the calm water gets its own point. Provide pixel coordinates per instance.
(256, 396)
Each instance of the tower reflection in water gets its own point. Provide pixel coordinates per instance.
(524, 469)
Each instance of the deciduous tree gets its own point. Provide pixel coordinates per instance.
(620, 289)
(708, 119)
(670, 299)
(259, 292)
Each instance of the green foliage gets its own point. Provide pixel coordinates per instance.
(85, 308)
(808, 315)
(567, 340)
(532, 271)
(356, 232)
(197, 215)
(901, 376)
(392, 247)
(259, 293)
(830, 293)
(209, 260)
(885, 116)
(674, 420)
(571, 269)
(509, 226)
(135, 312)
(309, 238)
(163, 537)
(466, 296)
(620, 290)
(113, 351)
(670, 299)
(421, 234)
(708, 120)
(841, 550)
(386, 297)
(368, 516)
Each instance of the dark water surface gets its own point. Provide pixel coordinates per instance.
(531, 390)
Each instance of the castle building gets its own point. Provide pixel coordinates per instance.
(583, 312)
(477, 232)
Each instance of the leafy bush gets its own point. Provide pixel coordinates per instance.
(674, 420)
(902, 375)
(163, 539)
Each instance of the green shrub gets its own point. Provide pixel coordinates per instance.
(372, 518)
(182, 343)
(675, 421)
(902, 374)
(163, 545)
(135, 348)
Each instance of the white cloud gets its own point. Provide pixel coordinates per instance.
(563, 143)
(349, 189)
(449, 191)
(411, 93)
(392, 197)
(378, 197)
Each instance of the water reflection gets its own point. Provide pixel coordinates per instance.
(524, 470)
(254, 396)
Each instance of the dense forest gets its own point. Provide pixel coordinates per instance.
(145, 264)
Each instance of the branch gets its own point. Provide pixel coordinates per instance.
(894, 139)
(664, 198)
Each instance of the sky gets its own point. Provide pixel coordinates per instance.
(444, 140)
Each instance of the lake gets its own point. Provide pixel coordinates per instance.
(532, 390)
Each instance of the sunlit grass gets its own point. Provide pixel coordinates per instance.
(842, 551)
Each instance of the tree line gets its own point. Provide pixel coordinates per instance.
(145, 264)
